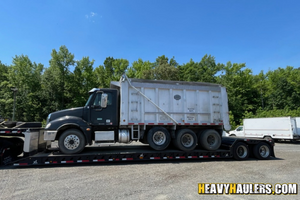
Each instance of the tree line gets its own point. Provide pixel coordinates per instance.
(44, 90)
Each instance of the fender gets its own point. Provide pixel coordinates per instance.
(60, 124)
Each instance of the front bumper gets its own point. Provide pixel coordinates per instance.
(50, 135)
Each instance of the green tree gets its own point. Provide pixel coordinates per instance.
(82, 80)
(5, 93)
(283, 88)
(203, 71)
(111, 71)
(61, 61)
(243, 96)
(140, 69)
(26, 77)
(163, 69)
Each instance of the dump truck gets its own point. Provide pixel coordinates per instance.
(173, 119)
(151, 111)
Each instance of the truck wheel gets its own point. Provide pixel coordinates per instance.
(210, 140)
(262, 151)
(159, 138)
(241, 151)
(71, 141)
(185, 140)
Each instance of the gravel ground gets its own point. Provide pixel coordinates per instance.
(152, 180)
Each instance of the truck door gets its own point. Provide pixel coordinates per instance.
(103, 118)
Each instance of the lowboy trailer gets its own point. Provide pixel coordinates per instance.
(36, 151)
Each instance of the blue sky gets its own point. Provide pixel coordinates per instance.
(264, 34)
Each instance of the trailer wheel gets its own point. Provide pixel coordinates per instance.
(210, 140)
(262, 151)
(72, 141)
(158, 138)
(241, 151)
(185, 140)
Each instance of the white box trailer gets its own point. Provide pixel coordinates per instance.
(277, 128)
(155, 102)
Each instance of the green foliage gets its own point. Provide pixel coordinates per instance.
(242, 94)
(111, 71)
(45, 90)
(203, 71)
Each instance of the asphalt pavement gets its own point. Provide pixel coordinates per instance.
(150, 180)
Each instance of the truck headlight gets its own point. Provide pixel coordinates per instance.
(48, 125)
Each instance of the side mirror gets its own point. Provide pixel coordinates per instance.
(104, 100)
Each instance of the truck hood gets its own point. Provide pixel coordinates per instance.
(76, 112)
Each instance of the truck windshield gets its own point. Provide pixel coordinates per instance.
(88, 101)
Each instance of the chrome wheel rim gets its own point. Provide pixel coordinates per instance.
(159, 138)
(71, 142)
(241, 151)
(211, 140)
(187, 140)
(264, 151)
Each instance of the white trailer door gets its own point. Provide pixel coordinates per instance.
(296, 127)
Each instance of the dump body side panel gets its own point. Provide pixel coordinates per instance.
(172, 102)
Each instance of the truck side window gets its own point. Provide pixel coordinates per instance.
(97, 101)
(109, 99)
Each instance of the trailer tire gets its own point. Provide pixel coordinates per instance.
(71, 141)
(158, 138)
(210, 140)
(262, 151)
(241, 151)
(185, 140)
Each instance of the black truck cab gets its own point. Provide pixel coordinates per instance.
(77, 126)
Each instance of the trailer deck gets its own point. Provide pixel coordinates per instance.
(118, 154)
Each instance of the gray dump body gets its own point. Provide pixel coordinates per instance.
(154, 102)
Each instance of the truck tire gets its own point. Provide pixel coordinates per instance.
(262, 151)
(72, 141)
(144, 140)
(241, 151)
(210, 140)
(158, 138)
(185, 140)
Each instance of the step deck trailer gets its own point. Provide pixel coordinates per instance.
(36, 151)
